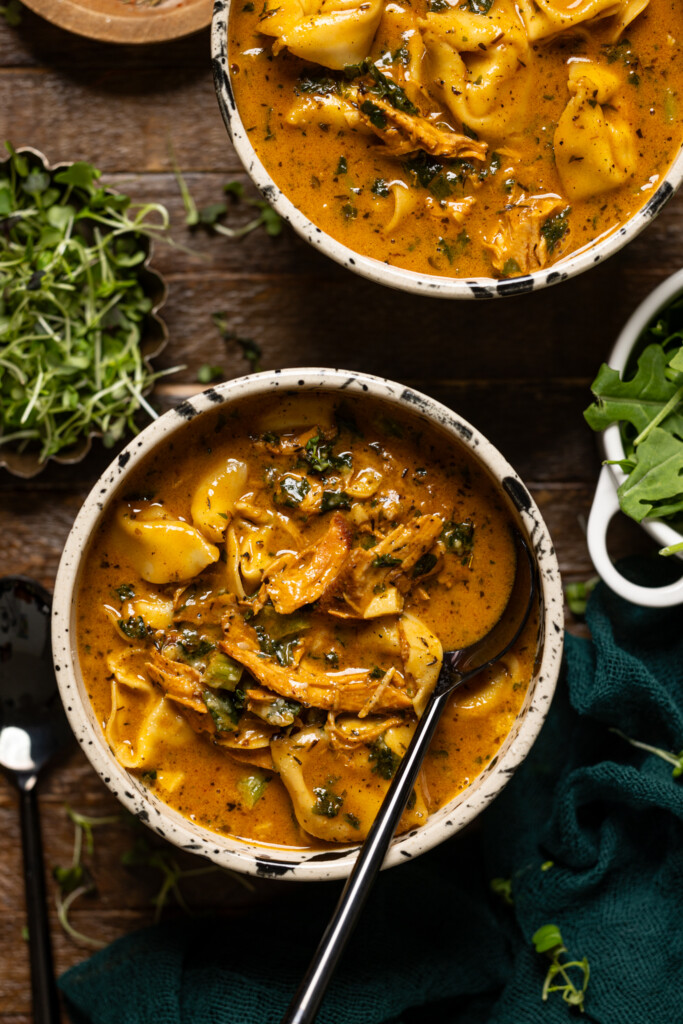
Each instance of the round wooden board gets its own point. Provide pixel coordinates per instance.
(125, 21)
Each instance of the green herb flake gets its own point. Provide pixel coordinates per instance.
(379, 188)
(125, 591)
(135, 628)
(383, 759)
(385, 562)
(342, 166)
(424, 565)
(334, 500)
(327, 803)
(375, 114)
(352, 820)
(293, 490)
(222, 709)
(555, 228)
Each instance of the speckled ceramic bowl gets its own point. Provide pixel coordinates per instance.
(288, 863)
(397, 277)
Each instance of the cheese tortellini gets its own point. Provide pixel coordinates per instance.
(594, 146)
(334, 33)
(545, 18)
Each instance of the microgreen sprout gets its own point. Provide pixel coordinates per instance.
(211, 217)
(76, 880)
(548, 940)
(163, 861)
(12, 12)
(502, 887)
(675, 759)
(577, 595)
(72, 306)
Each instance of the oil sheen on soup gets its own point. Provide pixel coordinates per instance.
(264, 610)
(462, 137)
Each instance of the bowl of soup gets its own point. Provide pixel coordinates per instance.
(252, 607)
(458, 148)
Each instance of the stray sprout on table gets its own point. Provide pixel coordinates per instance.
(548, 940)
(76, 880)
(675, 759)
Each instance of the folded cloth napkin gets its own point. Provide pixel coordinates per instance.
(435, 943)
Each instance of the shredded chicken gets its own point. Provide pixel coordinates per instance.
(345, 739)
(181, 683)
(306, 577)
(346, 690)
(370, 578)
(519, 246)
(406, 133)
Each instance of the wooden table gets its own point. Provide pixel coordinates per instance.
(519, 369)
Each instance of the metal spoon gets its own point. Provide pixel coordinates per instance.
(33, 728)
(458, 667)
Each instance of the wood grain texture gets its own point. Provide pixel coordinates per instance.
(519, 370)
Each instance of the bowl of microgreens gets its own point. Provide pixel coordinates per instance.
(78, 310)
(639, 407)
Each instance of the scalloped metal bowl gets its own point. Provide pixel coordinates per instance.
(154, 337)
(397, 277)
(250, 857)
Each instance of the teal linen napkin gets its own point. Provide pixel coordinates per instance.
(435, 944)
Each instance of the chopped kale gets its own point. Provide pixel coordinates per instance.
(379, 188)
(384, 761)
(135, 628)
(281, 650)
(353, 821)
(320, 457)
(332, 658)
(349, 211)
(222, 709)
(453, 249)
(424, 565)
(125, 591)
(327, 803)
(367, 541)
(282, 712)
(459, 538)
(334, 499)
(375, 113)
(385, 562)
(342, 166)
(555, 228)
(293, 490)
(149, 776)
(313, 81)
(480, 6)
(510, 267)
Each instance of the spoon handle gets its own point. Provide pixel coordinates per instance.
(43, 988)
(309, 995)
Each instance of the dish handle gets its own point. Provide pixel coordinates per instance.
(605, 506)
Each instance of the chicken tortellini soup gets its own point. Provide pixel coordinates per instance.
(462, 137)
(264, 611)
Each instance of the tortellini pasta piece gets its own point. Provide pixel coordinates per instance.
(423, 657)
(595, 149)
(481, 66)
(341, 812)
(330, 110)
(162, 549)
(333, 33)
(545, 18)
(155, 610)
(140, 721)
(215, 497)
(405, 201)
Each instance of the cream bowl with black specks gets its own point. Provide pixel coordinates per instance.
(242, 855)
(398, 277)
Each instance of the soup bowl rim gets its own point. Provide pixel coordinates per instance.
(279, 862)
(400, 278)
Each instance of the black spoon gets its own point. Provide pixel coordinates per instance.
(33, 728)
(458, 667)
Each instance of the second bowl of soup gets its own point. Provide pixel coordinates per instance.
(463, 149)
(253, 606)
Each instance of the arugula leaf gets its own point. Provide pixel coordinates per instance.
(654, 487)
(636, 401)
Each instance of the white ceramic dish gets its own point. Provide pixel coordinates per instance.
(606, 503)
(397, 277)
(288, 863)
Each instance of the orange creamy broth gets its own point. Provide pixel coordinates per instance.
(421, 474)
(331, 174)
